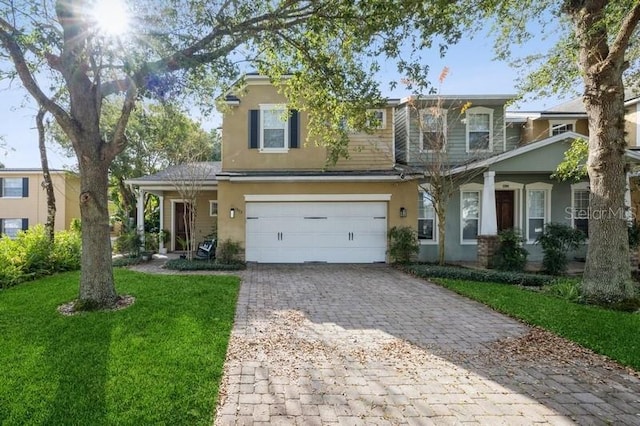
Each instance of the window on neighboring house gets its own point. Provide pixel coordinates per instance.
(213, 208)
(470, 215)
(538, 209)
(433, 129)
(10, 227)
(273, 128)
(14, 187)
(580, 207)
(479, 129)
(427, 221)
(380, 116)
(558, 127)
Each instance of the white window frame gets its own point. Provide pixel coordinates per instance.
(470, 187)
(440, 113)
(383, 120)
(581, 186)
(557, 123)
(478, 111)
(516, 188)
(4, 186)
(422, 191)
(282, 109)
(213, 212)
(546, 188)
(4, 227)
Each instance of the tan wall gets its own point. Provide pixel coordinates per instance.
(34, 207)
(404, 194)
(204, 222)
(631, 125)
(366, 153)
(535, 130)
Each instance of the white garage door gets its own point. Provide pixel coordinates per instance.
(334, 232)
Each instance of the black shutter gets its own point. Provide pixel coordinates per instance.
(1, 188)
(254, 128)
(294, 129)
(25, 187)
(25, 224)
(1, 227)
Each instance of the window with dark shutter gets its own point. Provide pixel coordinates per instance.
(294, 129)
(25, 187)
(25, 224)
(254, 128)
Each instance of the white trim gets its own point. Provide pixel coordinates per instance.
(470, 187)
(173, 221)
(556, 123)
(211, 203)
(424, 189)
(439, 97)
(438, 113)
(282, 108)
(580, 186)
(383, 121)
(479, 110)
(504, 130)
(516, 188)
(538, 186)
(637, 124)
(315, 197)
(361, 178)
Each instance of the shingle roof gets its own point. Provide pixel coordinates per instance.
(204, 171)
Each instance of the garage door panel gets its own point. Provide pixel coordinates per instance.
(336, 232)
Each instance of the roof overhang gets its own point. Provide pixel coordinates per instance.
(314, 178)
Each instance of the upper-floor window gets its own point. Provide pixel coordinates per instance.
(273, 128)
(380, 118)
(427, 220)
(14, 187)
(433, 129)
(479, 129)
(11, 227)
(557, 127)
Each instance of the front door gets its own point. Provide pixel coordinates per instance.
(504, 209)
(180, 226)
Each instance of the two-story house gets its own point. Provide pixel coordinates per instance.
(23, 199)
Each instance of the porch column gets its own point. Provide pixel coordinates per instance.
(488, 221)
(488, 235)
(161, 247)
(140, 214)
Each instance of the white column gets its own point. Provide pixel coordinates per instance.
(488, 221)
(161, 247)
(140, 214)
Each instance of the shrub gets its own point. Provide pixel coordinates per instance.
(481, 275)
(227, 252)
(556, 240)
(567, 289)
(122, 262)
(403, 244)
(128, 243)
(510, 256)
(67, 251)
(34, 251)
(203, 265)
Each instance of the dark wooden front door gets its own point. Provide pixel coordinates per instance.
(180, 226)
(504, 209)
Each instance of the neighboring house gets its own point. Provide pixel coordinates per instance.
(23, 199)
(274, 193)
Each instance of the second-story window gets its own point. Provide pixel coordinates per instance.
(14, 187)
(479, 129)
(433, 129)
(274, 127)
(558, 127)
(380, 118)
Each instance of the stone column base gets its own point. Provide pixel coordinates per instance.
(487, 247)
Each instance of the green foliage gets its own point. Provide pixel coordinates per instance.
(403, 244)
(75, 225)
(611, 333)
(123, 262)
(31, 255)
(128, 243)
(480, 275)
(227, 252)
(158, 361)
(203, 265)
(574, 165)
(510, 256)
(556, 240)
(565, 288)
(634, 235)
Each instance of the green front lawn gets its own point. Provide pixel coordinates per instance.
(611, 333)
(157, 362)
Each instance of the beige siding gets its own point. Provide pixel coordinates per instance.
(631, 125)
(367, 152)
(204, 222)
(535, 130)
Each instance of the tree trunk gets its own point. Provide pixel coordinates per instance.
(442, 220)
(97, 288)
(49, 226)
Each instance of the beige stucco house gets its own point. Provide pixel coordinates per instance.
(23, 199)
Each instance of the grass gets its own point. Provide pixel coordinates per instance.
(157, 362)
(611, 333)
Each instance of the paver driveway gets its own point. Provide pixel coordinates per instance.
(366, 344)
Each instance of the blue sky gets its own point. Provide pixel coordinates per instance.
(471, 71)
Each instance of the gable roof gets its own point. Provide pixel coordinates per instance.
(204, 171)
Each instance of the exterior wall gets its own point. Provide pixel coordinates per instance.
(401, 133)
(205, 224)
(631, 123)
(514, 134)
(535, 130)
(366, 152)
(403, 194)
(34, 207)
(456, 143)
(457, 252)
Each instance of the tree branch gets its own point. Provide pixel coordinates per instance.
(621, 42)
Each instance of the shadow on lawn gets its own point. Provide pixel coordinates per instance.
(78, 355)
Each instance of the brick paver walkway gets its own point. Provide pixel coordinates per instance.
(352, 344)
